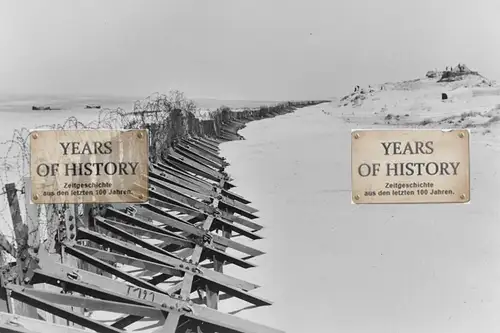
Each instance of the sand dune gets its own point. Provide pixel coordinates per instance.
(471, 102)
(336, 267)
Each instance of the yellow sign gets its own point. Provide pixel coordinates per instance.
(410, 166)
(89, 166)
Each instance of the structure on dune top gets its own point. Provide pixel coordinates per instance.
(451, 74)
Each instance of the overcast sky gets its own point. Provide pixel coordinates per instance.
(273, 49)
(416, 275)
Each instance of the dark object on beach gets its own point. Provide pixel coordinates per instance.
(432, 74)
(92, 106)
(456, 74)
(40, 108)
(444, 96)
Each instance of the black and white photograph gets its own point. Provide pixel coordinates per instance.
(275, 166)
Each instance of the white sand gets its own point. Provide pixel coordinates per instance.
(336, 267)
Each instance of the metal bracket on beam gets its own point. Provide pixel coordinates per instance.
(206, 240)
(131, 210)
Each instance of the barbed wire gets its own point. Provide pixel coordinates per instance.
(167, 116)
(157, 109)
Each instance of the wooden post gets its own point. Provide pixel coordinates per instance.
(33, 222)
(21, 236)
(213, 295)
(20, 230)
(53, 221)
(89, 210)
(172, 320)
(70, 218)
(32, 217)
(52, 224)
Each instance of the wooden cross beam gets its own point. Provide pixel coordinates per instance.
(198, 181)
(194, 155)
(11, 323)
(170, 260)
(192, 145)
(167, 188)
(173, 320)
(116, 291)
(178, 224)
(202, 190)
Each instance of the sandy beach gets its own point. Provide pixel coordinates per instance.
(18, 119)
(282, 84)
(349, 268)
(353, 268)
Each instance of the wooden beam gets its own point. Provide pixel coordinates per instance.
(156, 214)
(20, 229)
(10, 323)
(21, 236)
(176, 306)
(6, 246)
(213, 293)
(94, 304)
(59, 311)
(32, 217)
(206, 275)
(172, 321)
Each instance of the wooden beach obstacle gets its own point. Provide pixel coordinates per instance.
(179, 241)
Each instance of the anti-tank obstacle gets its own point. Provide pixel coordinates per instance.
(178, 240)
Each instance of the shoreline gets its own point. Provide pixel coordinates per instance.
(185, 168)
(296, 169)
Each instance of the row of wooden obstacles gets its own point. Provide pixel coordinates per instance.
(182, 238)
